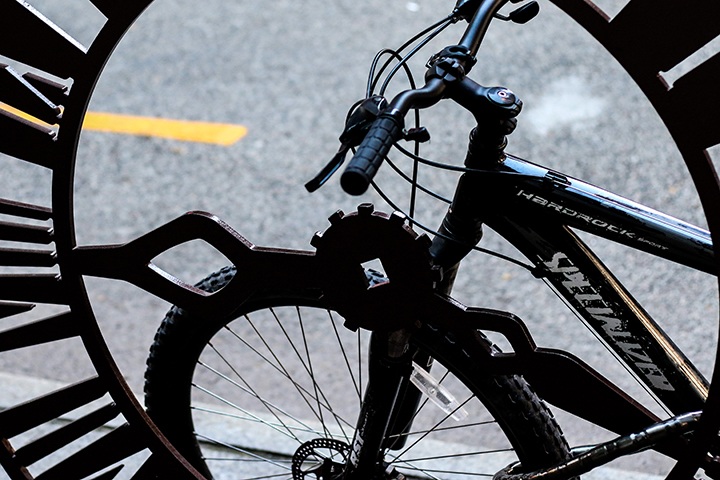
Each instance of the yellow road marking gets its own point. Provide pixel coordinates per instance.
(189, 131)
(224, 134)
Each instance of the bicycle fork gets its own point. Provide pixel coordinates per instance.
(390, 401)
(384, 410)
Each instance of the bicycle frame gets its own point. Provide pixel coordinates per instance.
(534, 208)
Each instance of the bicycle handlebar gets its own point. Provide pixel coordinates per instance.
(385, 131)
(388, 127)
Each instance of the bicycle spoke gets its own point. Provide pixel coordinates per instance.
(235, 406)
(246, 460)
(262, 477)
(419, 409)
(306, 362)
(432, 429)
(252, 418)
(310, 371)
(414, 464)
(309, 398)
(279, 367)
(277, 426)
(428, 471)
(267, 405)
(360, 362)
(316, 385)
(345, 357)
(246, 390)
(444, 429)
(456, 455)
(241, 450)
(243, 376)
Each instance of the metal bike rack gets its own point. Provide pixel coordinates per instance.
(648, 37)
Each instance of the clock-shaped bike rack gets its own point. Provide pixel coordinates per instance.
(42, 127)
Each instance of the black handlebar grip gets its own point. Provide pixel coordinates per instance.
(356, 178)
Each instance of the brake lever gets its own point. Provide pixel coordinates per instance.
(356, 127)
(522, 14)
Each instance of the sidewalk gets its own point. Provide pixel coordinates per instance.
(19, 388)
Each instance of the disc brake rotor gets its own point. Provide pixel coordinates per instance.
(322, 459)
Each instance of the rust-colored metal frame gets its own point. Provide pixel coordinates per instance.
(647, 37)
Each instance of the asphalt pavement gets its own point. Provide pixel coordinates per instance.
(289, 71)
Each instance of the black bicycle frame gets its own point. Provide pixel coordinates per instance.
(535, 209)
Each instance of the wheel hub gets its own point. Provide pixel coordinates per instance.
(322, 458)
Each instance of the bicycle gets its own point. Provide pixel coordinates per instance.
(424, 347)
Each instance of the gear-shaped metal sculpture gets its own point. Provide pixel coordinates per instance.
(647, 37)
(358, 238)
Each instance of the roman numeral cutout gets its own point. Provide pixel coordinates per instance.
(25, 210)
(102, 457)
(17, 232)
(652, 30)
(31, 109)
(109, 449)
(27, 258)
(30, 141)
(110, 474)
(29, 37)
(8, 309)
(16, 91)
(44, 287)
(55, 92)
(701, 117)
(48, 330)
(40, 288)
(26, 416)
(56, 440)
(651, 37)
(114, 447)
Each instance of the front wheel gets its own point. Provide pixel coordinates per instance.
(275, 391)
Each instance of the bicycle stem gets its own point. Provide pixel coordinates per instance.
(464, 56)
